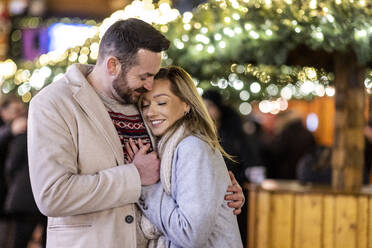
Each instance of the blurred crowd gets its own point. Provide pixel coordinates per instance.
(19, 215)
(274, 146)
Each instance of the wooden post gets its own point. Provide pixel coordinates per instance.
(348, 149)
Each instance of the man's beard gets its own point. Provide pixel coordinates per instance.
(120, 85)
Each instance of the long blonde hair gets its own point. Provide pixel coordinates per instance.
(197, 121)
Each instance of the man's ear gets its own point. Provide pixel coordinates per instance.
(113, 66)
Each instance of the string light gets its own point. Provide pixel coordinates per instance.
(196, 38)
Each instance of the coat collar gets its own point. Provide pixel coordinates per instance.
(90, 102)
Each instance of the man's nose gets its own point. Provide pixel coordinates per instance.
(148, 84)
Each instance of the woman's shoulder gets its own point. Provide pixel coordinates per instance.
(192, 141)
(194, 145)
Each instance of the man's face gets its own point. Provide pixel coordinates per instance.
(139, 78)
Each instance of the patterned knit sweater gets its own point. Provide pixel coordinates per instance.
(129, 124)
(127, 121)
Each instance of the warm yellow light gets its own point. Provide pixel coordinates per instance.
(310, 73)
(247, 26)
(26, 74)
(93, 55)
(143, 10)
(83, 58)
(94, 47)
(73, 57)
(43, 60)
(187, 16)
(268, 3)
(199, 47)
(313, 4)
(187, 26)
(18, 76)
(210, 49)
(7, 68)
(164, 8)
(85, 50)
(222, 44)
(197, 25)
(26, 97)
(164, 29)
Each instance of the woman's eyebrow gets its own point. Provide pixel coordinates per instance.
(160, 94)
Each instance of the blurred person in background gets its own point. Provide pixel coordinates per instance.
(11, 108)
(20, 205)
(316, 166)
(235, 142)
(368, 148)
(290, 142)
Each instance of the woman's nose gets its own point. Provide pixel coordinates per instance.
(150, 111)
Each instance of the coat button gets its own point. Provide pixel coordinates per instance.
(129, 219)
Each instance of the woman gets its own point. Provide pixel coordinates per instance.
(187, 207)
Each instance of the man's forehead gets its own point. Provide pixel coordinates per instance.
(144, 71)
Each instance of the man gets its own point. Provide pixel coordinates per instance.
(78, 128)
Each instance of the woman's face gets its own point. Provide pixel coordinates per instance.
(161, 108)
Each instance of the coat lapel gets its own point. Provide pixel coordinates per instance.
(90, 102)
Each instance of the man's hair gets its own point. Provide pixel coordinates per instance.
(125, 37)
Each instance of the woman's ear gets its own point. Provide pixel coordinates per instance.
(187, 109)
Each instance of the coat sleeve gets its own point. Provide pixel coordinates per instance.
(58, 188)
(188, 217)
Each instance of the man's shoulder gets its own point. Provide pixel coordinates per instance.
(53, 92)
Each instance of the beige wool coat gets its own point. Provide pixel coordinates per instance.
(77, 169)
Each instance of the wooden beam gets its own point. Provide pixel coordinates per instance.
(348, 149)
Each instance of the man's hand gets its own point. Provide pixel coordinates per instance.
(237, 197)
(147, 164)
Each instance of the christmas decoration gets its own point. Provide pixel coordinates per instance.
(240, 46)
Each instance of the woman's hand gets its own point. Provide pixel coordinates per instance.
(237, 197)
(132, 148)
